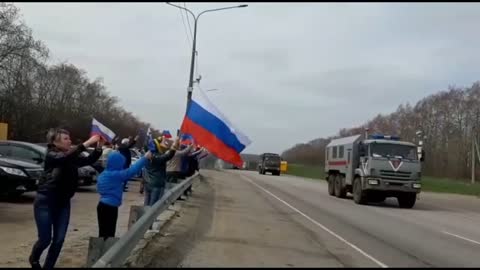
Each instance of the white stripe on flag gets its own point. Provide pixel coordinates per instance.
(103, 128)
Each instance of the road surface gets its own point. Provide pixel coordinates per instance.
(238, 218)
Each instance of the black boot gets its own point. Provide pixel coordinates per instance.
(34, 264)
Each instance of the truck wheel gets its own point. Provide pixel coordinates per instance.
(407, 200)
(331, 185)
(340, 190)
(359, 196)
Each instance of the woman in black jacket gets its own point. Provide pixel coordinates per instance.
(56, 188)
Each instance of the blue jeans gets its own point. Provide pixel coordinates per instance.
(48, 216)
(152, 194)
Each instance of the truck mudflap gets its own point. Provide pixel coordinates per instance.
(389, 185)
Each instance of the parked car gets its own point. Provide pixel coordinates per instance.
(98, 165)
(35, 154)
(18, 176)
(87, 175)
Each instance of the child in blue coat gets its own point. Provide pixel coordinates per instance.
(110, 187)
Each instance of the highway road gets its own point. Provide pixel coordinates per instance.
(238, 218)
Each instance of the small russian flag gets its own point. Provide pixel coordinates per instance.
(166, 134)
(101, 130)
(186, 139)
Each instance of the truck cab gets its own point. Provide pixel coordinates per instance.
(269, 162)
(374, 169)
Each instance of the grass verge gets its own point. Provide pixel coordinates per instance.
(432, 184)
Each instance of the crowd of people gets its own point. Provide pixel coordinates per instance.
(164, 163)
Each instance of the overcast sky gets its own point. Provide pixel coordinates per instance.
(286, 72)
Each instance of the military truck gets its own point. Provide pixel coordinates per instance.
(269, 162)
(373, 169)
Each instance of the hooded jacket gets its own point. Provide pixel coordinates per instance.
(156, 169)
(60, 179)
(110, 181)
(124, 149)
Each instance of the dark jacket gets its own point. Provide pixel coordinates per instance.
(190, 163)
(60, 177)
(157, 169)
(110, 181)
(193, 166)
(124, 149)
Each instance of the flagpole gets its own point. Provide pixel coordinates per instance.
(194, 46)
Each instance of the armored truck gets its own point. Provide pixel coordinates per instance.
(373, 169)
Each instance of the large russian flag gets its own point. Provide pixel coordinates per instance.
(104, 132)
(211, 129)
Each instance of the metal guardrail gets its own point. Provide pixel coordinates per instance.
(120, 251)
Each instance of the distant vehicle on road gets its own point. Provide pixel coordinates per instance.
(373, 169)
(35, 154)
(283, 166)
(269, 162)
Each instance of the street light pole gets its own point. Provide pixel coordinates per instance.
(192, 63)
(194, 46)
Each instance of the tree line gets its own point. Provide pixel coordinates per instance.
(35, 96)
(448, 119)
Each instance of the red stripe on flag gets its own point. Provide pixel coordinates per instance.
(93, 133)
(211, 142)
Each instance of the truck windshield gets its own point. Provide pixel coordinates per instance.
(393, 151)
(272, 158)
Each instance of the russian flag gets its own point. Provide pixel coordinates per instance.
(212, 130)
(186, 139)
(167, 134)
(101, 130)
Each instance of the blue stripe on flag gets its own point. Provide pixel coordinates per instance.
(214, 125)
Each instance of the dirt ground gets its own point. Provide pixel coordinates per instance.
(18, 231)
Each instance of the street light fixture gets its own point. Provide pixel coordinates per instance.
(194, 47)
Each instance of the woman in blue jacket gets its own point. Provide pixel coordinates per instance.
(110, 185)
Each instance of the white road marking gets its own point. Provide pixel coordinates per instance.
(319, 224)
(461, 237)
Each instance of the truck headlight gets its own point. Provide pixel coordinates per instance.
(372, 181)
(417, 185)
(13, 171)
